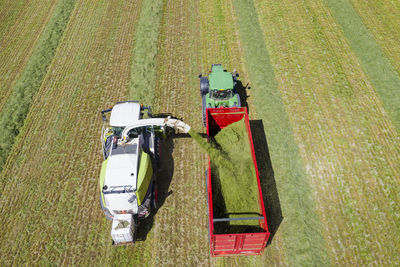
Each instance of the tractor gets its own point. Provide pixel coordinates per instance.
(219, 89)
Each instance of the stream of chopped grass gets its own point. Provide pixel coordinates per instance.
(234, 181)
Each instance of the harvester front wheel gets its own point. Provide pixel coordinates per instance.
(105, 210)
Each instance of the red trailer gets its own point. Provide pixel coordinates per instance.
(242, 243)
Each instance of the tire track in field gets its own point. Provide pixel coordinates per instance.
(335, 131)
(19, 40)
(67, 154)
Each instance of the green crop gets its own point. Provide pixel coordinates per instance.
(143, 72)
(235, 189)
(15, 110)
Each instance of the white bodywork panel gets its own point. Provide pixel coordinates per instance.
(122, 166)
(119, 233)
(120, 202)
(124, 114)
(121, 174)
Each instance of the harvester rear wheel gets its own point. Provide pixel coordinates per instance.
(154, 197)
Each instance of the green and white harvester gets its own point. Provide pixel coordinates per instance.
(219, 89)
(128, 178)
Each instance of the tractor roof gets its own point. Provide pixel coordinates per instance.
(125, 114)
(220, 79)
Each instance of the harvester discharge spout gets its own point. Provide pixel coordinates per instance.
(176, 124)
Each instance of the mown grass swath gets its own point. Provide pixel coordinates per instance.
(383, 76)
(302, 230)
(143, 73)
(13, 115)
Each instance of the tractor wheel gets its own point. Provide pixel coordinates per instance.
(204, 101)
(239, 104)
(204, 86)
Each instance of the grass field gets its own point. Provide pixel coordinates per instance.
(333, 143)
(21, 24)
(20, 97)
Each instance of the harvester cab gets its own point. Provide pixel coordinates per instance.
(219, 89)
(128, 177)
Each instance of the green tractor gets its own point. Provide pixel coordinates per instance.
(219, 89)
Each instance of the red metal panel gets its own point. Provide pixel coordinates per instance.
(243, 243)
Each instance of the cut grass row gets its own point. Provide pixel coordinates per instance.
(15, 110)
(301, 227)
(50, 207)
(143, 74)
(26, 21)
(380, 71)
(348, 144)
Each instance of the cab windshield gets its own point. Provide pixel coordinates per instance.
(221, 94)
(117, 131)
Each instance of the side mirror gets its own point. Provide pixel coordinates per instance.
(237, 74)
(200, 75)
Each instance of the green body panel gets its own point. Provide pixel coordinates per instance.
(221, 89)
(144, 176)
(102, 178)
(219, 79)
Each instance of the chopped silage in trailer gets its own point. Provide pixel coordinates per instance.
(234, 180)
